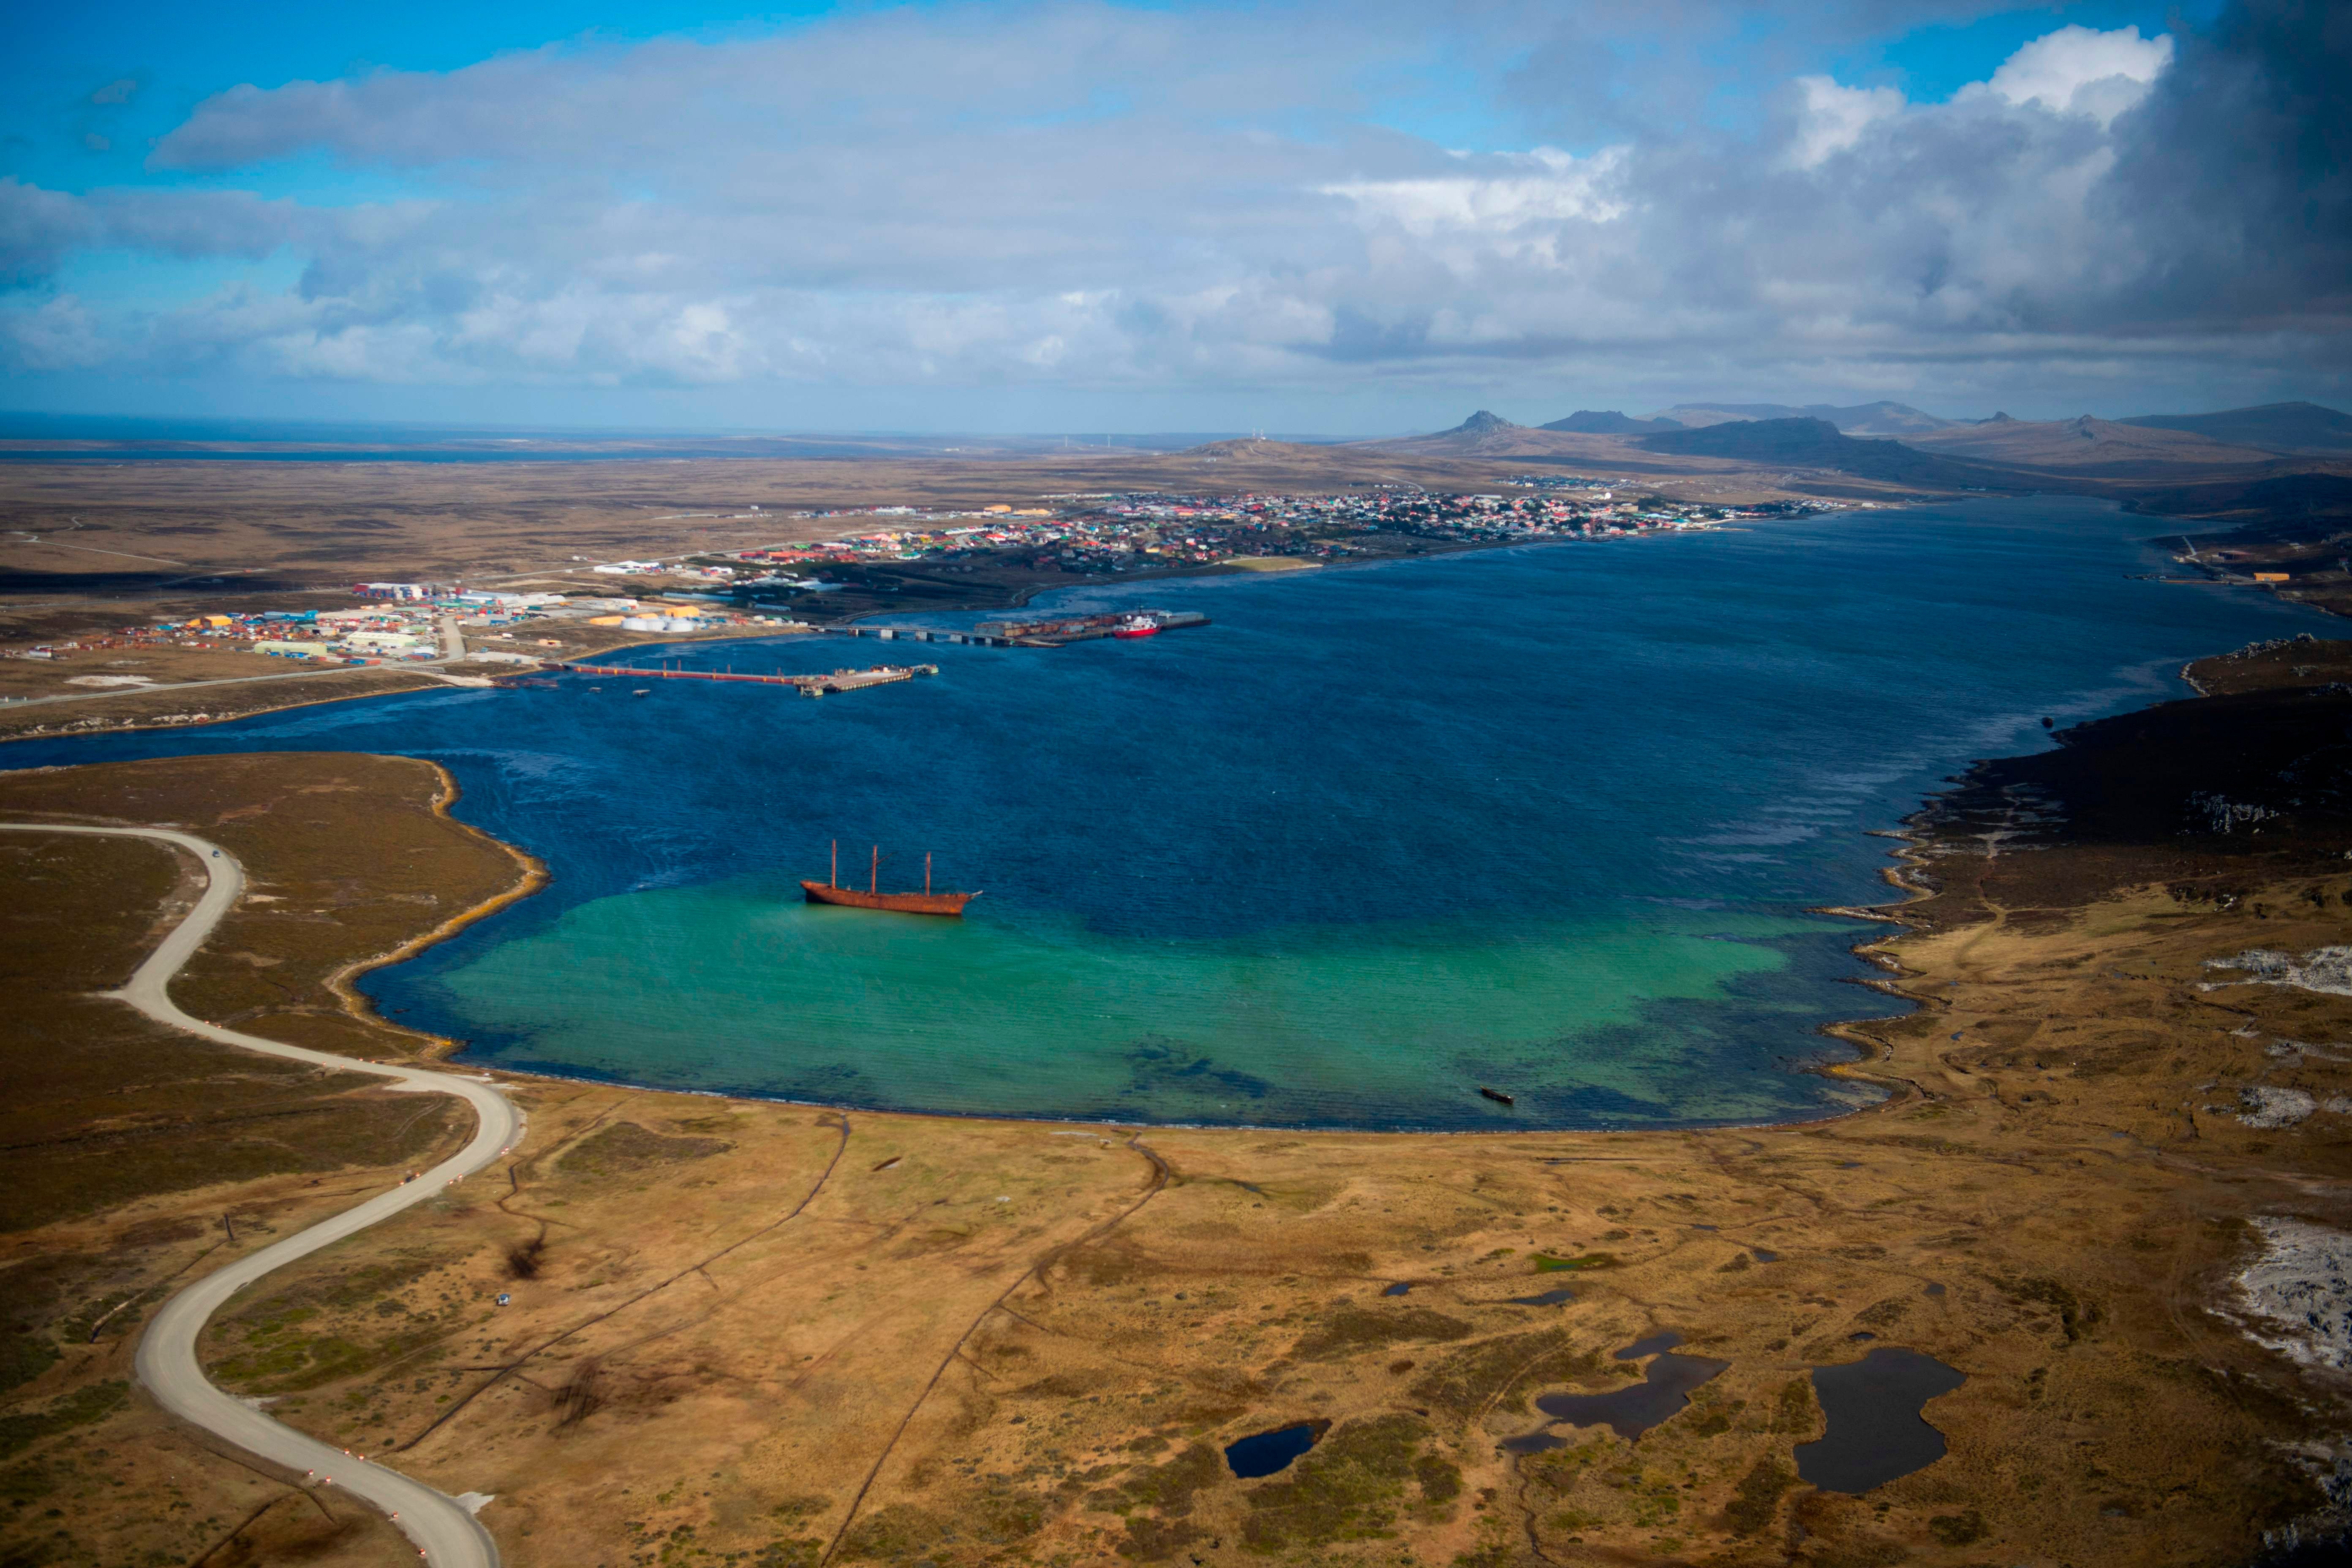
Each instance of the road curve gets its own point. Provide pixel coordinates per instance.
(445, 1533)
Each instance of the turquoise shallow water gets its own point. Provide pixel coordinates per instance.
(1547, 818)
(726, 984)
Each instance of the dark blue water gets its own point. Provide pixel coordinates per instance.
(1265, 1453)
(1875, 1431)
(1546, 818)
(1634, 1408)
(1556, 1298)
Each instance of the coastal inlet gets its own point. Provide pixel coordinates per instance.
(1547, 820)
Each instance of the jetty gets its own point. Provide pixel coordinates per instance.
(809, 685)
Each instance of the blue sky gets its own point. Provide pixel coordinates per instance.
(1080, 215)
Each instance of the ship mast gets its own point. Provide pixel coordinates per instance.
(927, 873)
(874, 882)
(834, 879)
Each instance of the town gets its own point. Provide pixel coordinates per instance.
(909, 561)
(1154, 531)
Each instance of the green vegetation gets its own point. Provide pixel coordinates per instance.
(23, 1356)
(22, 1429)
(2075, 1316)
(274, 1355)
(995, 1519)
(1495, 1370)
(1351, 1487)
(1546, 1263)
(625, 1147)
(1794, 1411)
(1153, 1540)
(899, 1533)
(1958, 1529)
(1169, 1487)
(1758, 1498)
(1710, 1414)
(105, 1108)
(1350, 1328)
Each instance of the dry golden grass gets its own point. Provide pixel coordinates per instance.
(781, 1334)
(132, 1157)
(325, 524)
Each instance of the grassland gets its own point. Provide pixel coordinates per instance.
(132, 1157)
(757, 1333)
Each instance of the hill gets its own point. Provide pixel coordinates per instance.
(1609, 422)
(2088, 448)
(2273, 426)
(1803, 442)
(1880, 418)
(1484, 434)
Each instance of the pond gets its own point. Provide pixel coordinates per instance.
(1877, 1432)
(1264, 1452)
(1665, 1387)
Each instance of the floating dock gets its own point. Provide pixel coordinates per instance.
(809, 685)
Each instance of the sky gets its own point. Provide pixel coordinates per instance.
(1311, 217)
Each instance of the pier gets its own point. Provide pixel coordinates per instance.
(918, 634)
(809, 685)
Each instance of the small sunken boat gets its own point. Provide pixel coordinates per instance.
(1497, 1094)
(925, 902)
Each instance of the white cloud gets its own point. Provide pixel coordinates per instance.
(1834, 118)
(1541, 187)
(1081, 197)
(2078, 70)
(57, 334)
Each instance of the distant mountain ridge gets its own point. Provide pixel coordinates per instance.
(1609, 422)
(2272, 426)
(1809, 443)
(2092, 448)
(1880, 418)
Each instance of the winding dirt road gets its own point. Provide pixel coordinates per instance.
(446, 1532)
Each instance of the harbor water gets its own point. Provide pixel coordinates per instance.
(1549, 819)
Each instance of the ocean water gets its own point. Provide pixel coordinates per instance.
(1549, 820)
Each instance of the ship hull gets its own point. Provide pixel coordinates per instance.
(902, 903)
(1137, 632)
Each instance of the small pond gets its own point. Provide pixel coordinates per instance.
(1264, 1452)
(1665, 1387)
(1877, 1432)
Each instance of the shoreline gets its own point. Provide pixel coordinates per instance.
(1019, 599)
(919, 1354)
(1846, 1032)
(535, 876)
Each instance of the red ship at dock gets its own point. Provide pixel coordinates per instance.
(872, 897)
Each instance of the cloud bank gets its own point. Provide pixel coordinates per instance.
(1084, 197)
